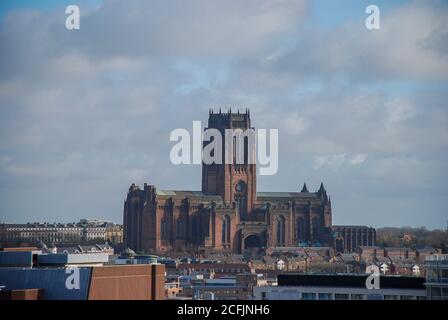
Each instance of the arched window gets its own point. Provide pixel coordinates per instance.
(246, 150)
(163, 228)
(196, 231)
(301, 231)
(240, 198)
(179, 228)
(316, 228)
(226, 229)
(281, 231)
(242, 206)
(234, 150)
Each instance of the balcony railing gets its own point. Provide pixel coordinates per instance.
(437, 280)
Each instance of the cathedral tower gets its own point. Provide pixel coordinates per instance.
(234, 182)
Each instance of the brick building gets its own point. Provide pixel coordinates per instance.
(228, 213)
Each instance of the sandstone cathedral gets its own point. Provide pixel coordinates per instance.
(229, 215)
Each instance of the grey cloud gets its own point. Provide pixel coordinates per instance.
(85, 114)
(409, 45)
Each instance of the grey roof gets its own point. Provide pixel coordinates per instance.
(370, 247)
(104, 246)
(128, 251)
(348, 226)
(89, 248)
(68, 249)
(347, 257)
(398, 249)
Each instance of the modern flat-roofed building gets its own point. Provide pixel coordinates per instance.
(226, 288)
(437, 277)
(217, 269)
(341, 287)
(78, 276)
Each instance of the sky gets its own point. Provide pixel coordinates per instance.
(85, 113)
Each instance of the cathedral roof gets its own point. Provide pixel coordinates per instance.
(277, 196)
(304, 189)
(286, 195)
(182, 194)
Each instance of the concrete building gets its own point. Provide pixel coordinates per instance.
(226, 288)
(128, 256)
(437, 277)
(340, 287)
(79, 276)
(216, 270)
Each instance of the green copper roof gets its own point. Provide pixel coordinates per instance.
(187, 194)
(286, 194)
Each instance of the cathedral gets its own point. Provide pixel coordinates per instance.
(229, 215)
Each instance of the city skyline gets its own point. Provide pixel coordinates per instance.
(85, 113)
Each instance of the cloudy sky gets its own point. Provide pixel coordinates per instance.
(85, 113)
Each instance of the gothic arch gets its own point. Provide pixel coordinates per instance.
(164, 229)
(316, 228)
(281, 231)
(301, 229)
(180, 229)
(226, 225)
(253, 241)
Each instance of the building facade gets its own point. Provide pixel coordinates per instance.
(437, 277)
(228, 213)
(59, 233)
(349, 238)
(45, 232)
(114, 233)
(24, 272)
(340, 287)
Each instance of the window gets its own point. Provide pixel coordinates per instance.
(164, 229)
(281, 231)
(341, 296)
(241, 205)
(180, 228)
(325, 296)
(358, 297)
(301, 231)
(315, 224)
(436, 293)
(308, 296)
(226, 229)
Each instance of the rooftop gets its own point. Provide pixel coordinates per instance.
(197, 194)
(349, 280)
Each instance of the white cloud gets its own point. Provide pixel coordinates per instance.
(399, 110)
(408, 46)
(335, 160)
(339, 160)
(358, 159)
